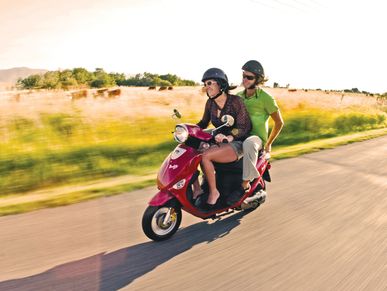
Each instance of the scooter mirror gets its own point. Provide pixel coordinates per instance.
(176, 113)
(228, 120)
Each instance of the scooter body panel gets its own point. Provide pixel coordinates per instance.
(177, 174)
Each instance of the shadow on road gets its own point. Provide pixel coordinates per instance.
(111, 271)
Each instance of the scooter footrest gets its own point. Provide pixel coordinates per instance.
(235, 196)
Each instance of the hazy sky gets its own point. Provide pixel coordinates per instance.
(331, 44)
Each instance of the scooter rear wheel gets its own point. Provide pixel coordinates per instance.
(155, 224)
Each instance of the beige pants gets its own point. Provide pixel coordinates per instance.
(251, 147)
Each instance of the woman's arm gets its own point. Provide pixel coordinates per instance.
(243, 122)
(203, 123)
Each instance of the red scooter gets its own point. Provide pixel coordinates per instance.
(179, 171)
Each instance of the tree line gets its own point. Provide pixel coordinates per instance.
(82, 78)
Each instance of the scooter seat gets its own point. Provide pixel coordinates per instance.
(233, 167)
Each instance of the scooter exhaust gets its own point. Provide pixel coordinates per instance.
(251, 201)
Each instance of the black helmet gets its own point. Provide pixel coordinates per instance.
(220, 77)
(254, 67)
(214, 73)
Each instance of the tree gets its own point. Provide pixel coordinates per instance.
(67, 79)
(172, 79)
(51, 80)
(118, 78)
(82, 76)
(31, 82)
(102, 79)
(160, 82)
(187, 83)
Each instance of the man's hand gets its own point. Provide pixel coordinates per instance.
(267, 148)
(220, 137)
(230, 138)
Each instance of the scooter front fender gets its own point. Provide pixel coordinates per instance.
(161, 198)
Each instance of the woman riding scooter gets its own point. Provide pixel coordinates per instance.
(220, 103)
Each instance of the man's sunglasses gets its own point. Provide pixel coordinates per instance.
(250, 78)
(209, 83)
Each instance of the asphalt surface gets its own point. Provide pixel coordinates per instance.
(323, 227)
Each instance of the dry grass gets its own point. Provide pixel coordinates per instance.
(321, 99)
(133, 103)
(140, 102)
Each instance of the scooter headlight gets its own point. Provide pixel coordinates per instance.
(180, 134)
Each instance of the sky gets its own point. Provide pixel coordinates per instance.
(331, 44)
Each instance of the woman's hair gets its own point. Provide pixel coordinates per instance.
(224, 86)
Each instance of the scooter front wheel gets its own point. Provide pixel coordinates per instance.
(160, 223)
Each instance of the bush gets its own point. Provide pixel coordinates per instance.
(30, 82)
(306, 126)
(357, 121)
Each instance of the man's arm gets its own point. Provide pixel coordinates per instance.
(278, 124)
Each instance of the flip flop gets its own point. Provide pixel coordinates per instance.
(197, 196)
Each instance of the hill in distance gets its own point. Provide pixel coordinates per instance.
(12, 75)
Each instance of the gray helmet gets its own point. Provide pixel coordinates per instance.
(215, 73)
(254, 67)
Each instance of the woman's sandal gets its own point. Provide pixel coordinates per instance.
(209, 207)
(198, 195)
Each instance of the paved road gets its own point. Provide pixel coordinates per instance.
(323, 227)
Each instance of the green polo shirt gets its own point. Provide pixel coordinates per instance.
(259, 106)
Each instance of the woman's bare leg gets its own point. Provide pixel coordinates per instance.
(223, 154)
(197, 190)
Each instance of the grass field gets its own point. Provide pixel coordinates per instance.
(47, 140)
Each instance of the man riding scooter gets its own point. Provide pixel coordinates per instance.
(260, 106)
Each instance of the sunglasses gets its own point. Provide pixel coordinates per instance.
(250, 78)
(209, 83)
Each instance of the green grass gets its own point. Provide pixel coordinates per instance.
(59, 149)
(60, 197)
(284, 152)
(307, 125)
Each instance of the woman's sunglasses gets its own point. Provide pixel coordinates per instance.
(250, 78)
(209, 83)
